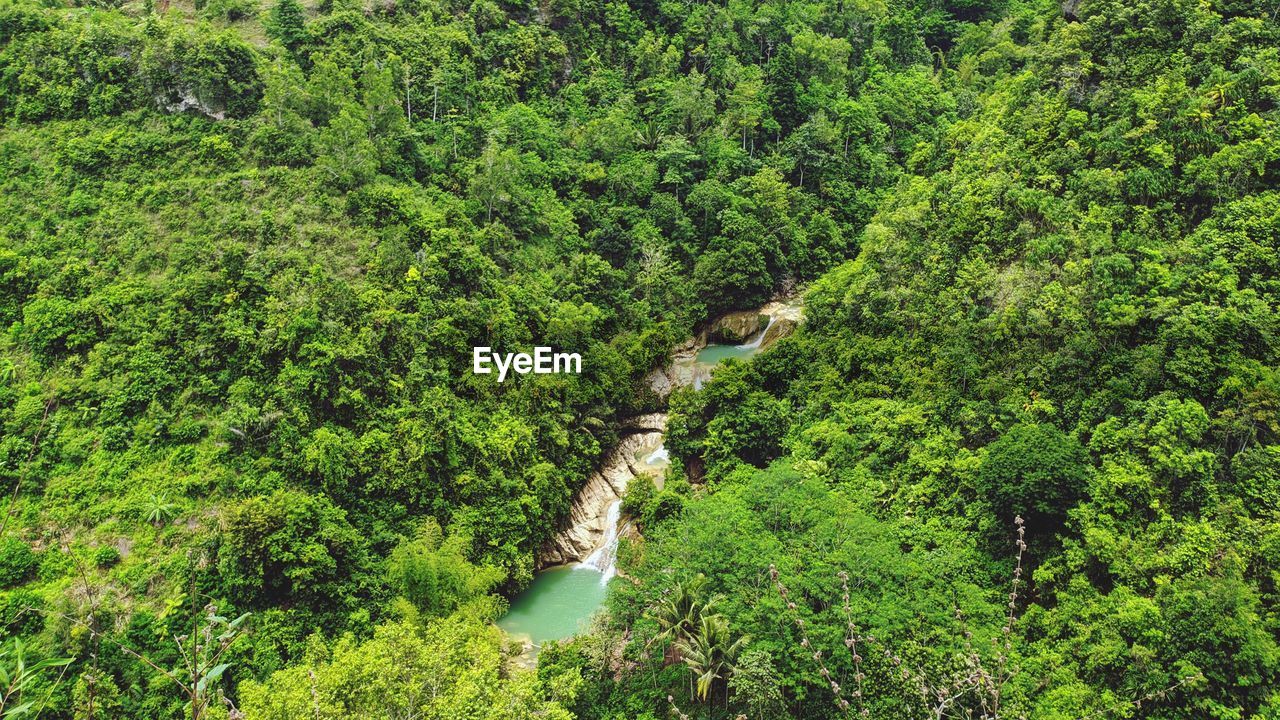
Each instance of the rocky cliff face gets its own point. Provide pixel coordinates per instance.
(737, 328)
(583, 529)
(784, 319)
(683, 371)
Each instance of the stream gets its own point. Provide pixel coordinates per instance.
(582, 559)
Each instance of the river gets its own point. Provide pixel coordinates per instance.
(562, 598)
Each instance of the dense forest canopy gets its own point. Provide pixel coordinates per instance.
(246, 249)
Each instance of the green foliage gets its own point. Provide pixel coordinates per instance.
(95, 695)
(433, 573)
(454, 666)
(1035, 470)
(290, 544)
(1063, 310)
(17, 674)
(287, 23)
(229, 10)
(212, 73)
(17, 562)
(1257, 472)
(106, 556)
(755, 685)
(21, 613)
(640, 492)
(159, 510)
(712, 562)
(710, 652)
(245, 249)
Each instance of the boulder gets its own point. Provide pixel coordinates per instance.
(778, 329)
(737, 328)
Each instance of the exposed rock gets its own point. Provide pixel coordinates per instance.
(1071, 10)
(784, 318)
(660, 382)
(778, 329)
(683, 371)
(584, 529)
(651, 423)
(784, 310)
(184, 99)
(737, 328)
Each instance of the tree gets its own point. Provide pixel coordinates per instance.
(754, 683)
(330, 91)
(289, 544)
(497, 177)
(285, 134)
(1034, 470)
(732, 274)
(385, 113)
(452, 667)
(679, 613)
(345, 156)
(433, 574)
(711, 653)
(746, 106)
(287, 24)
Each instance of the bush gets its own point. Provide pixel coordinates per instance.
(639, 491)
(17, 562)
(230, 10)
(106, 556)
(662, 506)
(289, 547)
(21, 613)
(1257, 473)
(433, 573)
(1033, 470)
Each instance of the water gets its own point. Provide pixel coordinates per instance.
(560, 601)
(557, 604)
(658, 460)
(713, 355)
(604, 559)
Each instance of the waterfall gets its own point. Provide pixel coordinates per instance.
(604, 558)
(659, 457)
(759, 339)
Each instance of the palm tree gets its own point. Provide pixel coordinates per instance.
(680, 612)
(711, 653)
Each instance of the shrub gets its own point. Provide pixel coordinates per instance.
(17, 562)
(106, 556)
(1033, 469)
(288, 547)
(21, 613)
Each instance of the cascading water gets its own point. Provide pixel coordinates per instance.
(605, 557)
(759, 339)
(659, 458)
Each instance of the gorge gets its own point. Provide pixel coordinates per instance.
(576, 566)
